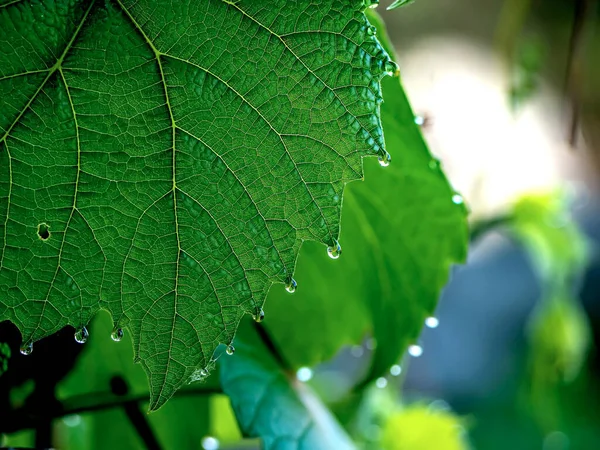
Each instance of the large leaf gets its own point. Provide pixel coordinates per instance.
(181, 423)
(274, 405)
(164, 161)
(402, 230)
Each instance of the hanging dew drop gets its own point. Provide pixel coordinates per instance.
(384, 159)
(117, 334)
(415, 350)
(335, 250)
(259, 316)
(457, 199)
(391, 68)
(434, 164)
(419, 120)
(26, 349)
(291, 286)
(432, 322)
(381, 382)
(81, 336)
(230, 350)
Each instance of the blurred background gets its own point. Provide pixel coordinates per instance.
(508, 94)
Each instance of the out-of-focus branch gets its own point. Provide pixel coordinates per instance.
(582, 24)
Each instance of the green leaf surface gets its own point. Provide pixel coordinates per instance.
(164, 161)
(274, 405)
(403, 228)
(181, 423)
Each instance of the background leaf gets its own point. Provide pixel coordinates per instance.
(403, 228)
(273, 404)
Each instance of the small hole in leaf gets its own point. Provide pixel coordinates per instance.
(43, 231)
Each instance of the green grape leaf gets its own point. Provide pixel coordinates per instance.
(164, 161)
(274, 405)
(181, 423)
(403, 228)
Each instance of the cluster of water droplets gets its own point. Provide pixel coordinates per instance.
(414, 350)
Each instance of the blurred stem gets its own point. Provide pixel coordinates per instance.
(481, 227)
(24, 418)
(268, 342)
(511, 22)
(574, 75)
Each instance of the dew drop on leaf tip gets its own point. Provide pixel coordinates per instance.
(210, 443)
(415, 350)
(391, 68)
(117, 334)
(26, 349)
(434, 164)
(432, 322)
(259, 315)
(384, 159)
(230, 350)
(304, 374)
(334, 251)
(457, 199)
(81, 335)
(291, 286)
(381, 382)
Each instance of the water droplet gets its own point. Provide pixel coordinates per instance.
(391, 68)
(26, 349)
(371, 31)
(259, 316)
(371, 344)
(415, 350)
(334, 251)
(291, 286)
(556, 440)
(117, 334)
(81, 335)
(371, 3)
(72, 420)
(432, 322)
(381, 382)
(419, 120)
(457, 199)
(384, 159)
(304, 374)
(210, 443)
(395, 370)
(198, 375)
(230, 350)
(434, 164)
(357, 351)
